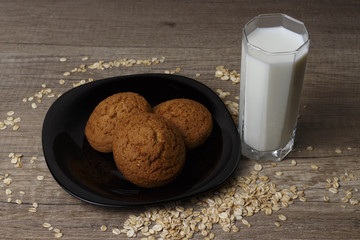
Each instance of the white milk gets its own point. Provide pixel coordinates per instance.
(272, 87)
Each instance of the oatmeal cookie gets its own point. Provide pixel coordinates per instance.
(101, 123)
(193, 119)
(148, 150)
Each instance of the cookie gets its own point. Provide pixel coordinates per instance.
(193, 119)
(101, 123)
(148, 150)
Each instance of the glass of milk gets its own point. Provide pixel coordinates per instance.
(274, 52)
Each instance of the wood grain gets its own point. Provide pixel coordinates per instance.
(196, 36)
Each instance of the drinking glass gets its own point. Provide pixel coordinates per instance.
(274, 53)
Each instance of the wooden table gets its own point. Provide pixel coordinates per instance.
(195, 36)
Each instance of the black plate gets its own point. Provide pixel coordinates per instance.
(93, 177)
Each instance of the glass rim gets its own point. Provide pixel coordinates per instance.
(276, 53)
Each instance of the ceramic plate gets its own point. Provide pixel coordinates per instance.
(93, 177)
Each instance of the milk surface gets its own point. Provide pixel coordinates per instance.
(275, 39)
(272, 87)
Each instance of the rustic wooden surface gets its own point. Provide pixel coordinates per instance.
(196, 36)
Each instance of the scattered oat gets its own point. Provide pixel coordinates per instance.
(9, 122)
(273, 164)
(8, 191)
(268, 211)
(218, 74)
(33, 210)
(352, 177)
(85, 58)
(282, 217)
(222, 94)
(33, 105)
(7, 181)
(315, 167)
(18, 201)
(81, 82)
(40, 178)
(2, 126)
(354, 201)
(246, 223)
(337, 150)
(172, 71)
(33, 159)
(333, 190)
(58, 235)
(225, 75)
(57, 231)
(233, 108)
(234, 228)
(225, 78)
(61, 81)
(66, 73)
(63, 59)
(197, 75)
(310, 148)
(258, 167)
(279, 173)
(130, 233)
(116, 231)
(303, 199)
(103, 228)
(162, 59)
(336, 184)
(46, 225)
(326, 198)
(243, 196)
(277, 224)
(101, 65)
(293, 162)
(157, 227)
